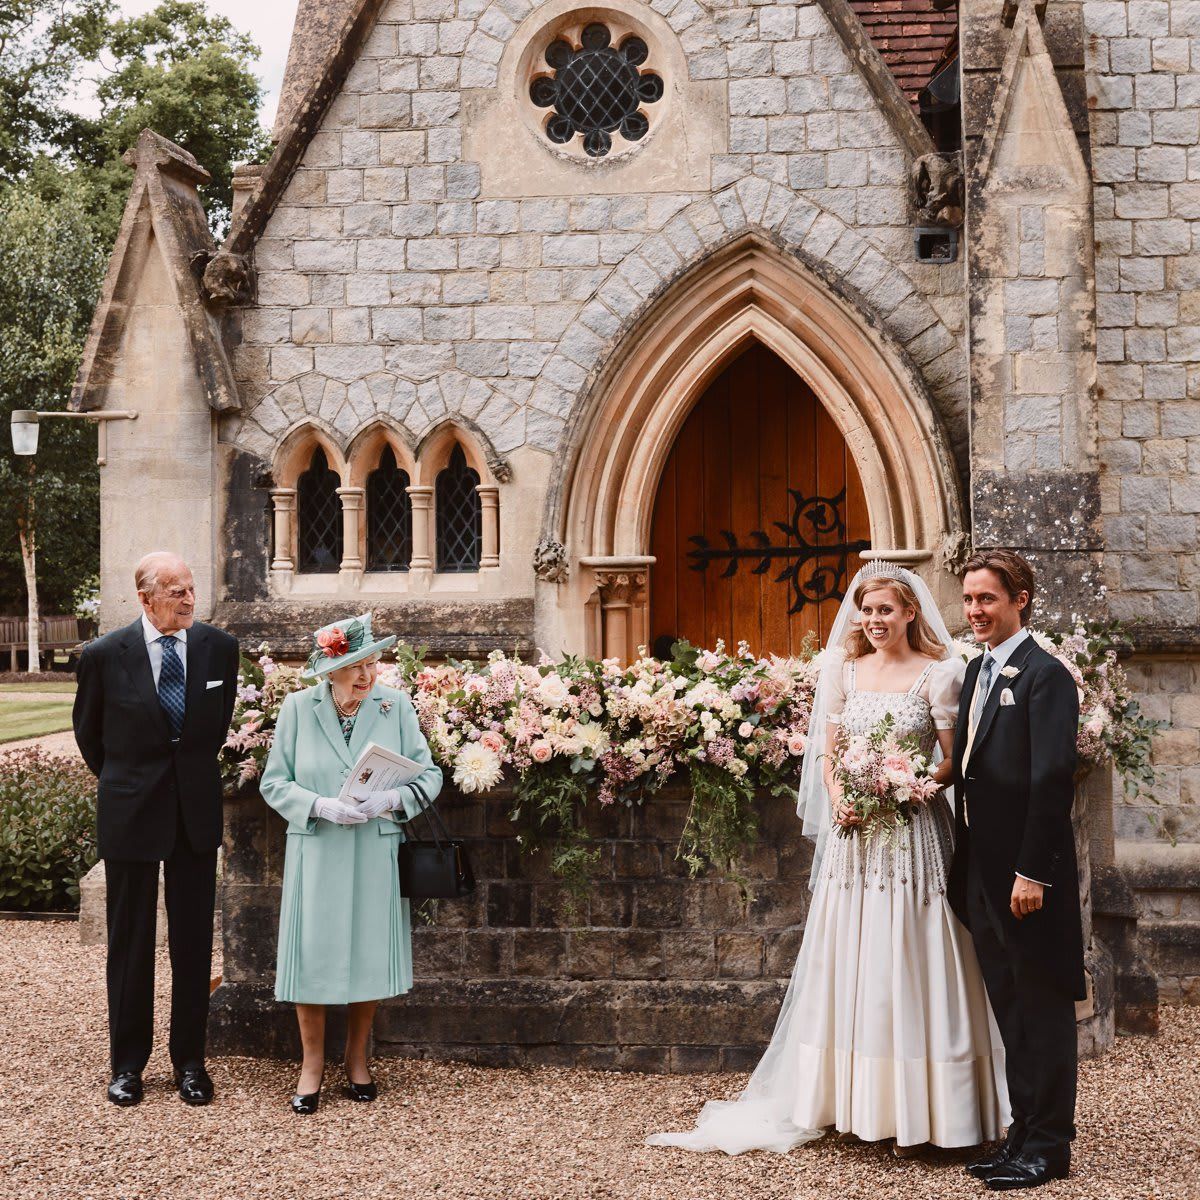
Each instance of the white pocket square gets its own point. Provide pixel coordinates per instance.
(212, 683)
(1006, 698)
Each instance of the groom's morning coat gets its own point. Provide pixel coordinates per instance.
(1014, 815)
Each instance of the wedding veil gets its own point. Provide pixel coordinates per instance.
(812, 805)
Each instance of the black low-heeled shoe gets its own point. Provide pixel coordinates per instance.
(364, 1093)
(306, 1105)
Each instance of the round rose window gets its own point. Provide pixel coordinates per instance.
(596, 90)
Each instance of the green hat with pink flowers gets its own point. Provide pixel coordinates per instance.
(342, 644)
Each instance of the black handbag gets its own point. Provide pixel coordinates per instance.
(437, 868)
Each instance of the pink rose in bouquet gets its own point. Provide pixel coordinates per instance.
(882, 778)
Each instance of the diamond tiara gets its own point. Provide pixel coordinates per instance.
(881, 566)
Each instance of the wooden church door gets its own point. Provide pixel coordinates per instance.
(759, 516)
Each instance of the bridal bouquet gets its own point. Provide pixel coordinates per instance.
(882, 778)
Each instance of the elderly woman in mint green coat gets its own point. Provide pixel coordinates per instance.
(343, 925)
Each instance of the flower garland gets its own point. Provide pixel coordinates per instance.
(565, 732)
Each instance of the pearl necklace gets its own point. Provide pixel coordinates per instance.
(341, 712)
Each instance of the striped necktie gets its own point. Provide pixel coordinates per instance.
(170, 684)
(985, 686)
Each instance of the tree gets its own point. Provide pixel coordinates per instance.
(179, 70)
(43, 45)
(50, 273)
(188, 75)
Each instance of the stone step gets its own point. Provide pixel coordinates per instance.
(93, 923)
(1166, 879)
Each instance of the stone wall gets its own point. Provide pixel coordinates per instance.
(654, 972)
(1143, 77)
(401, 279)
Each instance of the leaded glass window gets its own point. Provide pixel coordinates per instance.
(597, 90)
(318, 517)
(459, 515)
(389, 516)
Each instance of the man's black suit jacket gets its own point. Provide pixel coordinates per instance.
(146, 783)
(1017, 793)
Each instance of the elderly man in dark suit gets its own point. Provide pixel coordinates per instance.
(151, 714)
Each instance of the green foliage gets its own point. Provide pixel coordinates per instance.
(548, 809)
(721, 824)
(188, 75)
(43, 46)
(50, 274)
(47, 830)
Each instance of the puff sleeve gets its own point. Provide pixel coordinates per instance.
(836, 671)
(944, 689)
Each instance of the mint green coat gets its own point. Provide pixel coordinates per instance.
(343, 925)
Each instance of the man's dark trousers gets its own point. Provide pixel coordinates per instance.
(1036, 1016)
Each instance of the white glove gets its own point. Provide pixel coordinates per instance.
(328, 809)
(374, 804)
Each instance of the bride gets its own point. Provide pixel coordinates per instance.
(885, 1031)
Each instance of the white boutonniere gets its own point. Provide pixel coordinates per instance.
(1010, 672)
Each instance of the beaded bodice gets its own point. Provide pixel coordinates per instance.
(920, 857)
(913, 718)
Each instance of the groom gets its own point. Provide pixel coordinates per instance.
(1013, 879)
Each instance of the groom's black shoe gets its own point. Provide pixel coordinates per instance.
(1003, 1153)
(125, 1088)
(1029, 1171)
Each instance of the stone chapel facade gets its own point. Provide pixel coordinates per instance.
(585, 326)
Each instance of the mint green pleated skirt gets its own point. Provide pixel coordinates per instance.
(344, 928)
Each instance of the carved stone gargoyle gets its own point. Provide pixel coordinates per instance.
(226, 279)
(937, 181)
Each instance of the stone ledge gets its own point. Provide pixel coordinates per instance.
(618, 1025)
(1159, 866)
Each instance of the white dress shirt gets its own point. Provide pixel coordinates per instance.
(1001, 654)
(156, 651)
(1004, 652)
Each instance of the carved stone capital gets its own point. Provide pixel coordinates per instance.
(619, 587)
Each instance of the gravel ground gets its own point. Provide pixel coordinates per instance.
(469, 1134)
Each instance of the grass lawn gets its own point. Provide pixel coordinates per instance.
(66, 685)
(38, 717)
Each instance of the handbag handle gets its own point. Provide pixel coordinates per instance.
(433, 818)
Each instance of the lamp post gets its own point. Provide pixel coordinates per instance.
(25, 422)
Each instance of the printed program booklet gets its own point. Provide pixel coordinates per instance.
(378, 770)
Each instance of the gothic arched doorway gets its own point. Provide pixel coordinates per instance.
(758, 517)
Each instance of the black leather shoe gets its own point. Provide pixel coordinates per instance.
(362, 1092)
(126, 1088)
(1028, 1171)
(306, 1105)
(1002, 1154)
(195, 1087)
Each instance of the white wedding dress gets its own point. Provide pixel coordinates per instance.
(886, 1031)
